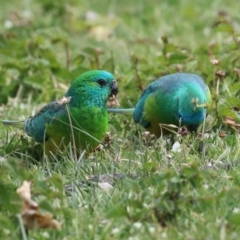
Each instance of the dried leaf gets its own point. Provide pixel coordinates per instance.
(230, 121)
(214, 61)
(222, 134)
(30, 211)
(24, 191)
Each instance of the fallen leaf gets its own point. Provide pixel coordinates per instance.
(222, 134)
(30, 212)
(230, 121)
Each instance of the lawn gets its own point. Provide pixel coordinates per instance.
(134, 186)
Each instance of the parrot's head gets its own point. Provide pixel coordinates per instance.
(192, 110)
(95, 87)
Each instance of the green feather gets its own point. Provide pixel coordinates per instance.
(175, 99)
(80, 117)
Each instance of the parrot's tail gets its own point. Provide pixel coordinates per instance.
(125, 111)
(18, 124)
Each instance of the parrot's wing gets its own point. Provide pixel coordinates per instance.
(35, 126)
(138, 114)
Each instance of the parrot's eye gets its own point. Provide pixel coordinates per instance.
(101, 82)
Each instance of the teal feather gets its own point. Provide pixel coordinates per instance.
(175, 99)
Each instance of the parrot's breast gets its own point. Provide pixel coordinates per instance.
(84, 128)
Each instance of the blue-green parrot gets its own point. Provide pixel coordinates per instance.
(178, 99)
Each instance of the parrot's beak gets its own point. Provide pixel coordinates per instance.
(114, 88)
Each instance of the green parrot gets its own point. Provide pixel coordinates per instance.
(80, 117)
(178, 99)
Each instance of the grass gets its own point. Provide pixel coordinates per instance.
(186, 187)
